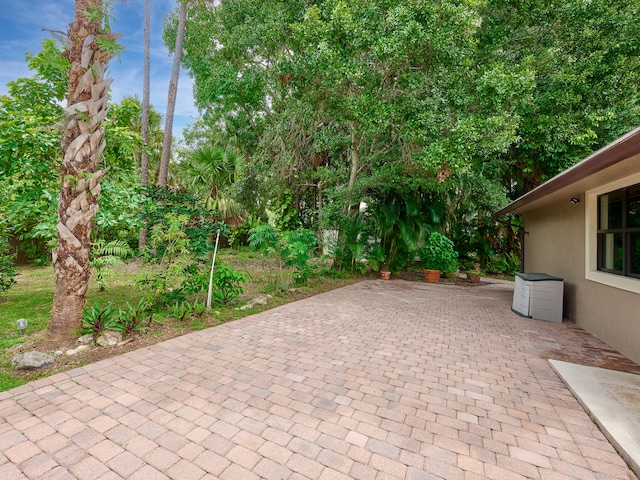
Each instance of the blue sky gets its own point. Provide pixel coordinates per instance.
(21, 30)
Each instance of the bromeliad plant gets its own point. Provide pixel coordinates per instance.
(97, 318)
(132, 318)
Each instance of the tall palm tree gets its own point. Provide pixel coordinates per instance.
(173, 92)
(146, 82)
(90, 47)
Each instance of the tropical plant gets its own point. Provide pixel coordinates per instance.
(131, 318)
(180, 310)
(107, 254)
(208, 172)
(228, 284)
(438, 253)
(400, 224)
(178, 273)
(97, 318)
(299, 247)
(200, 226)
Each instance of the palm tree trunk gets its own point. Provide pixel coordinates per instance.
(171, 101)
(82, 146)
(146, 82)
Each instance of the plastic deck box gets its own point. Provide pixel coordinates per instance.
(539, 296)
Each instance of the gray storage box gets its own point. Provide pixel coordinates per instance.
(539, 296)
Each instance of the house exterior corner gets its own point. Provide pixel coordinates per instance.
(584, 226)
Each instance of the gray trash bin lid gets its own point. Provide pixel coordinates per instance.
(538, 277)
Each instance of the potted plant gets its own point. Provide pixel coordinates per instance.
(475, 274)
(438, 255)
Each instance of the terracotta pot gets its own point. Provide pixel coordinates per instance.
(431, 276)
(474, 277)
(385, 274)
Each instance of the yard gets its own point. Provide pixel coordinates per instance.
(31, 299)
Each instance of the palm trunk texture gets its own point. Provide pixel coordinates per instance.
(82, 146)
(171, 100)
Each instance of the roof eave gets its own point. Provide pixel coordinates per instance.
(615, 152)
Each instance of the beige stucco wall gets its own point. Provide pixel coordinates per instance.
(555, 245)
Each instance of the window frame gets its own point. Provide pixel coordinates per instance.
(629, 283)
(624, 230)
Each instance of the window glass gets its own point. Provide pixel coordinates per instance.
(633, 207)
(611, 210)
(612, 257)
(619, 231)
(635, 253)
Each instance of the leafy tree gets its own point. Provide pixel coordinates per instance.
(30, 117)
(450, 104)
(366, 87)
(586, 61)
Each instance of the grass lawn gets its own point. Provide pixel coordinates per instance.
(32, 296)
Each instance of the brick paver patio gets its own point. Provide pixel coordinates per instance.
(378, 380)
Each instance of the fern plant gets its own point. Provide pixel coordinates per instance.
(107, 254)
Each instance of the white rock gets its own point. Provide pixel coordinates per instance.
(109, 339)
(76, 350)
(85, 339)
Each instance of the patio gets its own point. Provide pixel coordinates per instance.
(378, 380)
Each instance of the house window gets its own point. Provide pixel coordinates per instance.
(619, 232)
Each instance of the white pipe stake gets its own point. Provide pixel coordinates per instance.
(213, 264)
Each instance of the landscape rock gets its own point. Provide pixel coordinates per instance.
(85, 339)
(76, 350)
(32, 360)
(261, 300)
(57, 353)
(109, 339)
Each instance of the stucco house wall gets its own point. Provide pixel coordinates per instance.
(609, 313)
(561, 238)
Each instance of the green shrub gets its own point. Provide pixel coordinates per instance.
(178, 273)
(7, 270)
(438, 253)
(299, 247)
(294, 248)
(228, 284)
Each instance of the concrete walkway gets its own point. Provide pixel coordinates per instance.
(378, 380)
